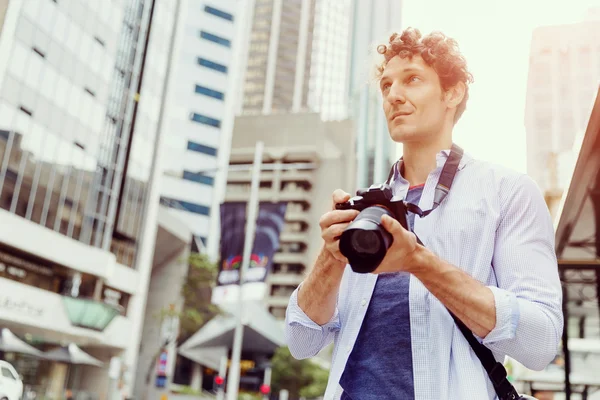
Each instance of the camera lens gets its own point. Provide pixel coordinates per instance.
(364, 242)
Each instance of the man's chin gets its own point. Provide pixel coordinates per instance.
(402, 134)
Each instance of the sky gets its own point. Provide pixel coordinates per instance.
(494, 37)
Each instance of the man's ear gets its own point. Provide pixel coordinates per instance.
(455, 95)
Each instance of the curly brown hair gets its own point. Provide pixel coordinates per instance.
(438, 51)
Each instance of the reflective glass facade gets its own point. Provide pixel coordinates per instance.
(77, 128)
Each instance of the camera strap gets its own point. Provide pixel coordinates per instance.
(444, 182)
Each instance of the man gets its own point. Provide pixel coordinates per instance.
(487, 256)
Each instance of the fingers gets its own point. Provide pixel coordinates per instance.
(339, 196)
(391, 225)
(334, 222)
(336, 217)
(333, 233)
(334, 250)
(407, 238)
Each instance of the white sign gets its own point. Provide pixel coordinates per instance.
(14, 271)
(114, 369)
(28, 305)
(229, 293)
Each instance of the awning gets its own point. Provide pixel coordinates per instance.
(263, 334)
(72, 354)
(578, 247)
(9, 343)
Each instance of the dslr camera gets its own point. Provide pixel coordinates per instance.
(365, 242)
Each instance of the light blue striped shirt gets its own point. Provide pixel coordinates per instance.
(495, 225)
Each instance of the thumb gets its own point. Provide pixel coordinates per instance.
(391, 225)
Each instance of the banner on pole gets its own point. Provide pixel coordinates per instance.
(269, 224)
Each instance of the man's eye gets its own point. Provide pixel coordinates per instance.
(414, 78)
(385, 87)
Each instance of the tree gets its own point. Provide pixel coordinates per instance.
(300, 377)
(196, 291)
(197, 307)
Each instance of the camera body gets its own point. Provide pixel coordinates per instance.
(365, 242)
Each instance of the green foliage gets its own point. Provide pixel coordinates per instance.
(196, 292)
(188, 390)
(249, 396)
(300, 377)
(197, 309)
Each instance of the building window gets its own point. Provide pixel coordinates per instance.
(200, 148)
(185, 205)
(212, 65)
(218, 13)
(100, 41)
(39, 52)
(202, 119)
(198, 177)
(209, 92)
(215, 39)
(201, 238)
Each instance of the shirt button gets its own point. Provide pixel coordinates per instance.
(348, 349)
(363, 302)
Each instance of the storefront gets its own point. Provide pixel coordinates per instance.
(210, 347)
(48, 306)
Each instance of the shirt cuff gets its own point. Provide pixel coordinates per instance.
(507, 316)
(295, 316)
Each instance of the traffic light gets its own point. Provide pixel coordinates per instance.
(265, 389)
(219, 381)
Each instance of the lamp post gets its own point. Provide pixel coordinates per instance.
(234, 370)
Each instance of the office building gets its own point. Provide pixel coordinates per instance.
(564, 74)
(200, 113)
(296, 57)
(305, 159)
(373, 23)
(80, 99)
(277, 56)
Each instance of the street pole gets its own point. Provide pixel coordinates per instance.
(233, 380)
(222, 373)
(267, 381)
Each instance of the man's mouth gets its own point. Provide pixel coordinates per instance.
(399, 114)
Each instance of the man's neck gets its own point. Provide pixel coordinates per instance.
(419, 159)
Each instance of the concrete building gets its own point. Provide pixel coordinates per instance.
(373, 23)
(200, 112)
(296, 58)
(160, 329)
(277, 56)
(80, 99)
(564, 74)
(305, 160)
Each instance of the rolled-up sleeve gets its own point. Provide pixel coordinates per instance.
(528, 298)
(305, 338)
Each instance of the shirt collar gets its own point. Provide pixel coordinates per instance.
(440, 159)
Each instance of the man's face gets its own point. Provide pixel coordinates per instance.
(413, 100)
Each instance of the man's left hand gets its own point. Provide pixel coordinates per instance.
(403, 252)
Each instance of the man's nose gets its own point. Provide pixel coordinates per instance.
(396, 94)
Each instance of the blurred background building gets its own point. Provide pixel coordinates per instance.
(564, 73)
(278, 56)
(296, 58)
(200, 113)
(80, 98)
(372, 24)
(304, 158)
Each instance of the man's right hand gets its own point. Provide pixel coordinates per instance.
(317, 296)
(333, 223)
